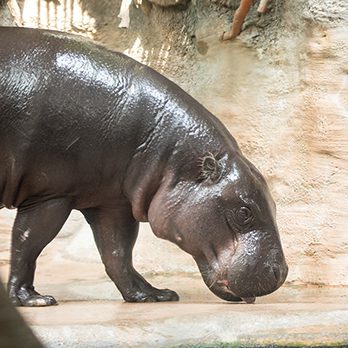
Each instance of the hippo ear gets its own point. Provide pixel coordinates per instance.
(209, 167)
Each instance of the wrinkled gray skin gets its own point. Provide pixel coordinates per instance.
(85, 128)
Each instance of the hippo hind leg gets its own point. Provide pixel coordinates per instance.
(35, 226)
(115, 232)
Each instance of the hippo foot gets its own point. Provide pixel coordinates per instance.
(39, 301)
(154, 295)
(32, 299)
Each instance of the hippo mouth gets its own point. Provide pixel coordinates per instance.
(221, 289)
(218, 284)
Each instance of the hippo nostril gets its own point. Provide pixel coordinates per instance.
(276, 272)
(280, 272)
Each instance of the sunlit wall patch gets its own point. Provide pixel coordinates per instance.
(65, 15)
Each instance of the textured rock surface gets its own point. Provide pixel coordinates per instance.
(166, 3)
(282, 90)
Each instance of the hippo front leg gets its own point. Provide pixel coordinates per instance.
(35, 226)
(115, 232)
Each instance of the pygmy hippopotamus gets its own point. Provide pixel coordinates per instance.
(82, 127)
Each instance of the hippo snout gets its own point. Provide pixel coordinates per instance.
(249, 279)
(245, 280)
(255, 269)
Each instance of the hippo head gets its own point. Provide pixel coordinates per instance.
(224, 216)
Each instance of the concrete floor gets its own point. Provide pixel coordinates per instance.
(282, 319)
(91, 312)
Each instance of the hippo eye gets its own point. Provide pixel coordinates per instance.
(240, 218)
(244, 215)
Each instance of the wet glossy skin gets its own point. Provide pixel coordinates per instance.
(85, 128)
